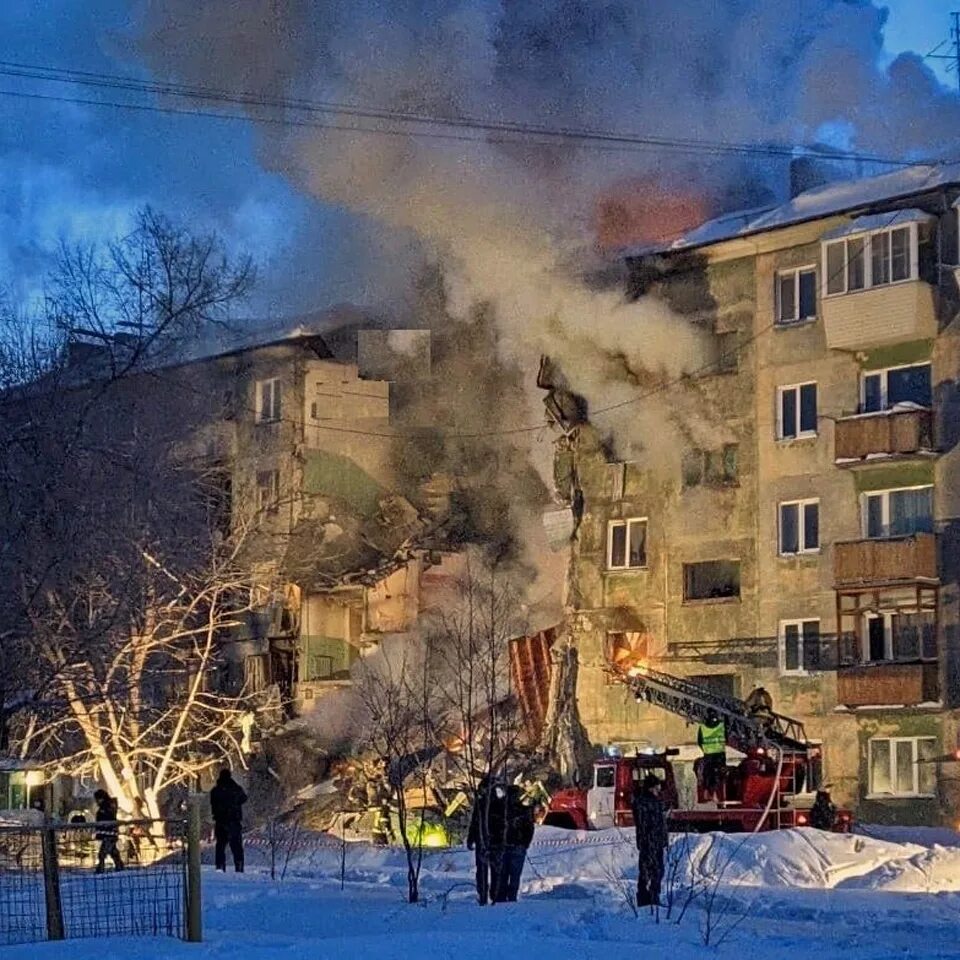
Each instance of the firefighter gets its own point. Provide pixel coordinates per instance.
(823, 813)
(652, 840)
(712, 740)
(760, 705)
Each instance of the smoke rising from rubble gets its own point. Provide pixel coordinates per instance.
(510, 222)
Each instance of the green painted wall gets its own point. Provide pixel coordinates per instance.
(898, 355)
(327, 474)
(326, 658)
(893, 476)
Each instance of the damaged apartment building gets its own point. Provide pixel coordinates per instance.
(293, 422)
(813, 548)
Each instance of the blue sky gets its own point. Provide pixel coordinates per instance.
(77, 172)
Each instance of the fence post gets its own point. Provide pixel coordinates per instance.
(51, 882)
(194, 923)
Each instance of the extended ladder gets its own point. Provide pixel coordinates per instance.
(745, 730)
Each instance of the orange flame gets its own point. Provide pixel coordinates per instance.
(642, 211)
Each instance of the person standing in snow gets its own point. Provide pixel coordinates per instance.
(517, 838)
(652, 840)
(226, 804)
(108, 833)
(486, 837)
(823, 813)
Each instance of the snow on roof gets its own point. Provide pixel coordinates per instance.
(878, 221)
(828, 200)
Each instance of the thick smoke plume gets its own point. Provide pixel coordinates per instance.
(510, 221)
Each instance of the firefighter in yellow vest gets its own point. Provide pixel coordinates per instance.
(712, 740)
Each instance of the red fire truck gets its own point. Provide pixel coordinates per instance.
(771, 787)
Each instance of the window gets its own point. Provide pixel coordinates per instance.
(728, 352)
(627, 544)
(799, 646)
(268, 400)
(799, 527)
(711, 580)
(605, 776)
(268, 491)
(897, 513)
(715, 468)
(870, 260)
(903, 766)
(797, 411)
(796, 295)
(883, 389)
(719, 684)
(899, 636)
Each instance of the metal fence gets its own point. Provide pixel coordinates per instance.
(63, 881)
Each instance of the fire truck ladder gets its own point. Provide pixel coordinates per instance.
(744, 729)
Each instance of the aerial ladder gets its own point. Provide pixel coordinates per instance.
(745, 729)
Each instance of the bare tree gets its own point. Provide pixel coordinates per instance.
(119, 580)
(399, 726)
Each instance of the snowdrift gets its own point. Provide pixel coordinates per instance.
(794, 859)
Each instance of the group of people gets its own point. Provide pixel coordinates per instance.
(226, 804)
(501, 830)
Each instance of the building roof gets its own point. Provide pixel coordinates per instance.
(827, 200)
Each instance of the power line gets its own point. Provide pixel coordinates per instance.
(509, 131)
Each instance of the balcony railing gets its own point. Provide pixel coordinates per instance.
(893, 313)
(860, 563)
(888, 683)
(894, 433)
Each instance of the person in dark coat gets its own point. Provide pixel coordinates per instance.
(226, 804)
(823, 813)
(108, 833)
(486, 837)
(517, 838)
(652, 840)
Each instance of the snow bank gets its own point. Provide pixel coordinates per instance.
(569, 860)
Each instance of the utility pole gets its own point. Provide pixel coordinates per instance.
(954, 55)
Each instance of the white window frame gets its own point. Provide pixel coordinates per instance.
(884, 372)
(799, 671)
(867, 237)
(885, 508)
(796, 271)
(626, 523)
(268, 412)
(268, 497)
(801, 526)
(915, 751)
(806, 434)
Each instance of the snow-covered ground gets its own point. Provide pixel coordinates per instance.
(785, 895)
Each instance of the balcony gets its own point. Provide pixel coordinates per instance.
(880, 316)
(865, 563)
(894, 434)
(888, 684)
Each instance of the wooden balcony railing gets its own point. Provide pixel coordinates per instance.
(888, 684)
(859, 563)
(899, 433)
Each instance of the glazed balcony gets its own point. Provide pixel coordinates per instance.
(862, 563)
(880, 316)
(893, 434)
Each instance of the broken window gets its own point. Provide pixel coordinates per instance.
(797, 411)
(711, 580)
(717, 468)
(268, 400)
(799, 646)
(796, 295)
(728, 352)
(627, 544)
(268, 491)
(799, 527)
